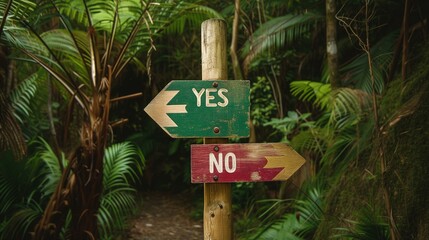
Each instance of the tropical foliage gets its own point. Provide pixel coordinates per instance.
(74, 53)
(67, 65)
(27, 187)
(336, 126)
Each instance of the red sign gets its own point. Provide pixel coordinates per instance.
(253, 162)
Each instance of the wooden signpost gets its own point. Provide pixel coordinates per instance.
(255, 162)
(191, 109)
(216, 109)
(217, 196)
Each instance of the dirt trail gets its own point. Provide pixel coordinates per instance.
(165, 216)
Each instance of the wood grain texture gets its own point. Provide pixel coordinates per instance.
(217, 197)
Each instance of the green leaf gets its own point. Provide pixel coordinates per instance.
(276, 34)
(319, 93)
(358, 69)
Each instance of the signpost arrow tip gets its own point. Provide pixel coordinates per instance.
(289, 160)
(157, 109)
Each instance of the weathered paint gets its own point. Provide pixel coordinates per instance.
(211, 109)
(255, 162)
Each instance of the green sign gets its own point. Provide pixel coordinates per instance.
(195, 108)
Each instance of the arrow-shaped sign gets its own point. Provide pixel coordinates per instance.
(255, 162)
(159, 108)
(192, 108)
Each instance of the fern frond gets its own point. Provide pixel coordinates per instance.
(317, 92)
(296, 227)
(120, 166)
(73, 49)
(121, 170)
(36, 48)
(348, 107)
(49, 171)
(309, 140)
(15, 10)
(114, 207)
(311, 213)
(21, 97)
(284, 228)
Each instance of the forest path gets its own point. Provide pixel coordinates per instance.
(165, 216)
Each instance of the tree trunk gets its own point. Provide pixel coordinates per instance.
(86, 194)
(81, 186)
(331, 44)
(238, 74)
(79, 191)
(54, 216)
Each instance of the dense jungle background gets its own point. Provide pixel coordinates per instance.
(344, 82)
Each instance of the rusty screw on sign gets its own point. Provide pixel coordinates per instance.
(215, 178)
(216, 130)
(215, 84)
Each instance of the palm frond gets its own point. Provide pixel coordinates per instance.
(341, 127)
(115, 206)
(311, 212)
(100, 14)
(284, 228)
(119, 21)
(317, 92)
(301, 225)
(72, 47)
(120, 165)
(41, 174)
(358, 70)
(21, 223)
(348, 143)
(309, 140)
(192, 16)
(127, 50)
(164, 16)
(18, 184)
(368, 225)
(37, 49)
(121, 170)
(19, 209)
(9, 192)
(46, 167)
(276, 34)
(348, 107)
(13, 10)
(7, 197)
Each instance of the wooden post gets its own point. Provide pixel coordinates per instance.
(217, 196)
